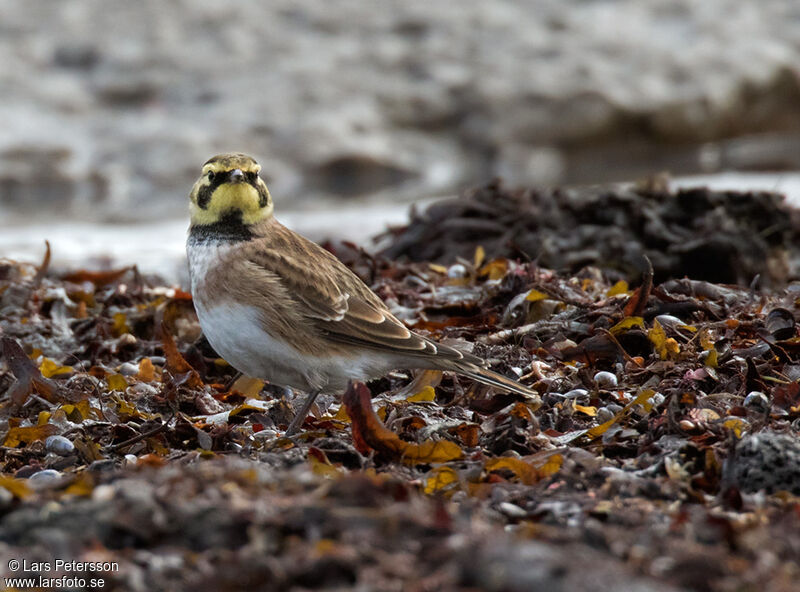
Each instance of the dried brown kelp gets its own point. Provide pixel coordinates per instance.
(717, 236)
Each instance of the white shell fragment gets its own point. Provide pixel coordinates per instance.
(59, 445)
(605, 380)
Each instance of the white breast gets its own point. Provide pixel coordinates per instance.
(237, 333)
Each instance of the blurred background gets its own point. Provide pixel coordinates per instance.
(357, 109)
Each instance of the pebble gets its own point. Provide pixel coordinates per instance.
(6, 497)
(511, 510)
(128, 369)
(757, 402)
(143, 389)
(457, 271)
(575, 393)
(44, 478)
(59, 445)
(605, 380)
(604, 414)
(670, 321)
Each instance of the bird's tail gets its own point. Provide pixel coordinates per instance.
(490, 378)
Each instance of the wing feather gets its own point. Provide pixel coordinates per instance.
(336, 301)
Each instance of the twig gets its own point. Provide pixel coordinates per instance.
(140, 437)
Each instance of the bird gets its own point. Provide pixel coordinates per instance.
(279, 307)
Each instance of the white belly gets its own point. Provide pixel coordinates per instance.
(236, 332)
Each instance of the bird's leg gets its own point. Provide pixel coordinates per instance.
(232, 381)
(300, 416)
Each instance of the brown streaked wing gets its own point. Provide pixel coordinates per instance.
(338, 303)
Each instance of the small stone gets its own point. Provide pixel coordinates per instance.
(457, 271)
(605, 380)
(44, 479)
(6, 497)
(605, 414)
(511, 510)
(128, 369)
(59, 445)
(768, 461)
(576, 393)
(104, 493)
(757, 402)
(101, 466)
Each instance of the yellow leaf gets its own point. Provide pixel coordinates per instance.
(627, 323)
(536, 296)
(117, 382)
(480, 255)
(706, 340)
(323, 467)
(736, 425)
(439, 479)
(711, 358)
(643, 399)
(17, 436)
(426, 395)
(248, 386)
(437, 268)
(341, 415)
(432, 451)
(325, 547)
(83, 486)
(496, 269)
(147, 372)
(602, 428)
(126, 410)
(77, 412)
(552, 466)
(658, 338)
(49, 368)
(244, 407)
(673, 349)
(621, 287)
(590, 411)
(120, 324)
(18, 487)
(525, 472)
(381, 413)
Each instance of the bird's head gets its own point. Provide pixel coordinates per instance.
(229, 186)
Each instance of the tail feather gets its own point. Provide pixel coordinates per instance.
(491, 378)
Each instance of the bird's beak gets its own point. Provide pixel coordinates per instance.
(236, 176)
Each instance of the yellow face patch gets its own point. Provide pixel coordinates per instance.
(230, 184)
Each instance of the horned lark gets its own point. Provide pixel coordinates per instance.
(279, 307)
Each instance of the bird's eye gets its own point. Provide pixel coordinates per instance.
(211, 175)
(251, 176)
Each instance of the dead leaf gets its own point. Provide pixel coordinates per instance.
(27, 374)
(441, 480)
(426, 395)
(26, 435)
(176, 363)
(369, 432)
(98, 278)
